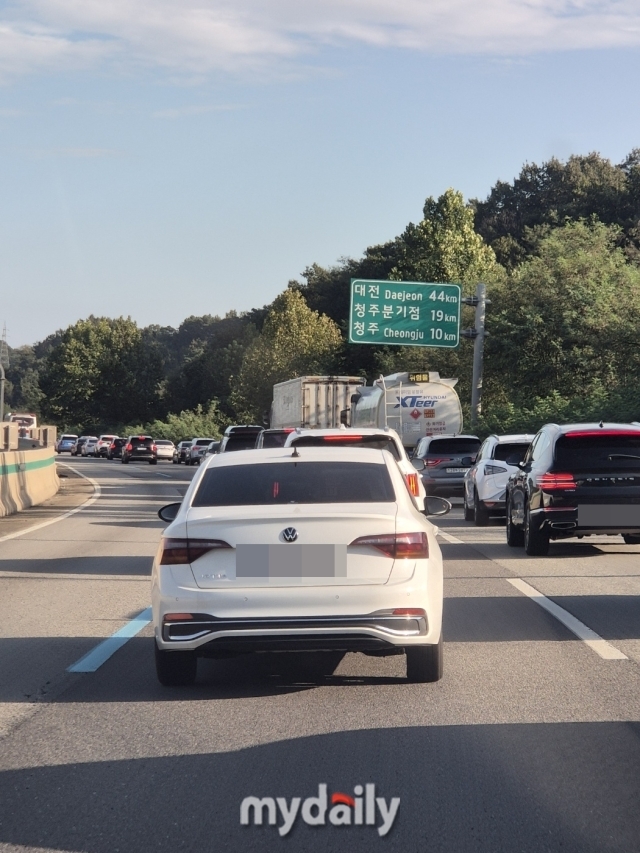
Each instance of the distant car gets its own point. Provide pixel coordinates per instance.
(576, 480)
(240, 437)
(103, 444)
(115, 448)
(65, 443)
(77, 447)
(485, 482)
(371, 437)
(212, 448)
(165, 448)
(179, 451)
(139, 448)
(89, 445)
(273, 437)
(447, 459)
(196, 450)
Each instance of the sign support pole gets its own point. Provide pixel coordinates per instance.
(478, 355)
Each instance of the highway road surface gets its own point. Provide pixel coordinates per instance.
(530, 743)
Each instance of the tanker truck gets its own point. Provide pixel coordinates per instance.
(413, 404)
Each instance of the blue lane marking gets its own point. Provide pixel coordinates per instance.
(102, 652)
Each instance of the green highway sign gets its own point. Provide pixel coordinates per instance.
(404, 313)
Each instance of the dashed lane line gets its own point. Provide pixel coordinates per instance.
(589, 637)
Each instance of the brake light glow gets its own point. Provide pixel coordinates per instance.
(592, 433)
(346, 437)
(399, 546)
(129, 447)
(412, 484)
(177, 552)
(410, 611)
(154, 448)
(556, 482)
(432, 462)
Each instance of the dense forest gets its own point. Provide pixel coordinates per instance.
(559, 250)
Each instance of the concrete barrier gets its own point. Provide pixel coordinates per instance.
(27, 478)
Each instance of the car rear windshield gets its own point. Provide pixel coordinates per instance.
(163, 442)
(68, 438)
(275, 439)
(453, 445)
(295, 483)
(375, 442)
(202, 442)
(511, 453)
(598, 452)
(119, 442)
(240, 441)
(141, 441)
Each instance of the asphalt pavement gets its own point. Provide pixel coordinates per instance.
(531, 742)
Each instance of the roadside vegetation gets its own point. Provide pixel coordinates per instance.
(559, 250)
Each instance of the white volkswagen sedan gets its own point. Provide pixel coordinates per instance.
(297, 549)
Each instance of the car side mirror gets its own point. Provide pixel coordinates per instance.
(169, 512)
(434, 505)
(418, 464)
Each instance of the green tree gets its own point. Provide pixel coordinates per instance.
(294, 341)
(188, 424)
(567, 320)
(101, 374)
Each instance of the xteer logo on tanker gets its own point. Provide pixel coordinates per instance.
(363, 809)
(418, 401)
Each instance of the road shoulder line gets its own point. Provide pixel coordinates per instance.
(94, 659)
(96, 494)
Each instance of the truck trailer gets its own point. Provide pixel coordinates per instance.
(312, 401)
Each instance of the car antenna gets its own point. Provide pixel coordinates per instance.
(601, 424)
(295, 453)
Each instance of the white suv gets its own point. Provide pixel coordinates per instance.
(380, 439)
(485, 482)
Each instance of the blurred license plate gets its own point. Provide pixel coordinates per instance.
(457, 470)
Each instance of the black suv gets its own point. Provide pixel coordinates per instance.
(115, 448)
(139, 448)
(577, 480)
(240, 438)
(447, 459)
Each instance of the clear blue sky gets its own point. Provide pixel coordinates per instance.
(162, 158)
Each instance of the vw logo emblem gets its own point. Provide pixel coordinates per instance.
(289, 534)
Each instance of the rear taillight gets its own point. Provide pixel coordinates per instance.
(129, 447)
(494, 469)
(401, 546)
(412, 484)
(180, 551)
(556, 482)
(154, 448)
(432, 462)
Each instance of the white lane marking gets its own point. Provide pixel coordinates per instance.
(94, 659)
(449, 538)
(587, 635)
(590, 638)
(96, 494)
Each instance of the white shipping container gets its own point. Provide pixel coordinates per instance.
(312, 401)
(414, 405)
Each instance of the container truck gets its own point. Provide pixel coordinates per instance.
(413, 404)
(312, 401)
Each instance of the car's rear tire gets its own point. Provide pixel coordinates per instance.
(468, 510)
(631, 538)
(515, 535)
(425, 663)
(176, 669)
(153, 462)
(125, 461)
(536, 542)
(480, 512)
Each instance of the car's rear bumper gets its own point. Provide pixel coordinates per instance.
(445, 486)
(563, 522)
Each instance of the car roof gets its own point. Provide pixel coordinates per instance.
(385, 431)
(451, 435)
(305, 454)
(503, 439)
